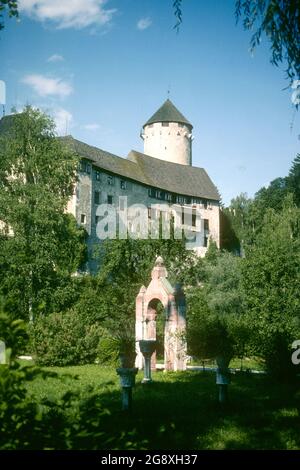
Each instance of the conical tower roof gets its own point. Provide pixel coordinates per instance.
(168, 113)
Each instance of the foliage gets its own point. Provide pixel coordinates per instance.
(216, 316)
(293, 180)
(61, 339)
(271, 285)
(280, 21)
(108, 350)
(11, 6)
(75, 419)
(40, 244)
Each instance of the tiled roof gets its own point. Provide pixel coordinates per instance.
(168, 113)
(173, 177)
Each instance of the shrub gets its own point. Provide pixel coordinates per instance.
(117, 348)
(108, 349)
(61, 339)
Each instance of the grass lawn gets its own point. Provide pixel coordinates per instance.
(180, 410)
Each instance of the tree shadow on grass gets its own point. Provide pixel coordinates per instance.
(180, 411)
(177, 411)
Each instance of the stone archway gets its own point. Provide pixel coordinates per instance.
(173, 301)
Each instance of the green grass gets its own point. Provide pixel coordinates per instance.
(180, 410)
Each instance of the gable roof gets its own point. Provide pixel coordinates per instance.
(168, 113)
(173, 177)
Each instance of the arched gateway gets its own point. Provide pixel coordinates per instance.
(173, 301)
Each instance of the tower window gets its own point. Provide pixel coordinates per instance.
(97, 197)
(165, 124)
(83, 218)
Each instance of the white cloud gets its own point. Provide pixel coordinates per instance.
(68, 13)
(45, 86)
(63, 120)
(143, 23)
(55, 58)
(91, 127)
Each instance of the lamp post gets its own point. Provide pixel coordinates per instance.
(147, 348)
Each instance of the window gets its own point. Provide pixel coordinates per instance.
(123, 184)
(109, 199)
(169, 197)
(83, 218)
(85, 167)
(151, 192)
(165, 124)
(194, 218)
(97, 219)
(205, 241)
(206, 224)
(205, 203)
(159, 194)
(181, 200)
(110, 180)
(97, 197)
(97, 175)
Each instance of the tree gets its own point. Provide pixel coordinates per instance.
(216, 315)
(278, 19)
(270, 282)
(40, 244)
(11, 6)
(293, 180)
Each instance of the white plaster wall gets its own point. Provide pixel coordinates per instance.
(172, 143)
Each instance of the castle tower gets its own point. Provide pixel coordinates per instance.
(168, 135)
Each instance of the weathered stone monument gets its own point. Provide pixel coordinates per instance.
(173, 301)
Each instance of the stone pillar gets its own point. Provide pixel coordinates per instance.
(139, 326)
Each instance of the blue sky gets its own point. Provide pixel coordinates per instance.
(103, 68)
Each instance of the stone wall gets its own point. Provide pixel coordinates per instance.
(168, 141)
(85, 203)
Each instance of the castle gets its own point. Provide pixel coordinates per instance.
(162, 176)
